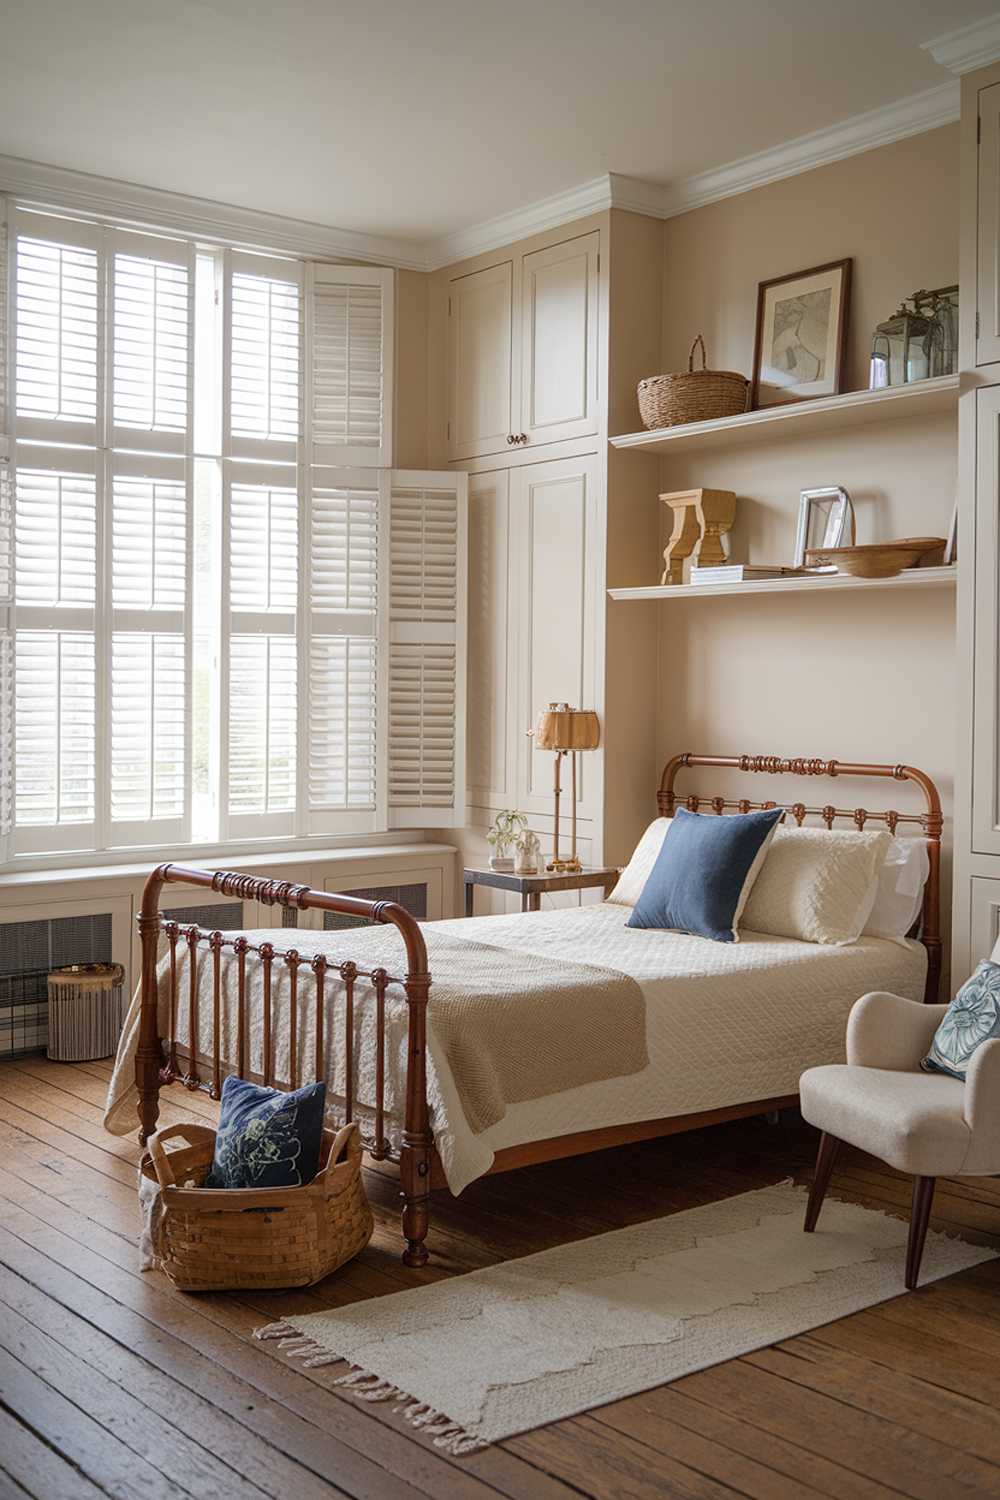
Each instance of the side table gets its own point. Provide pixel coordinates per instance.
(531, 888)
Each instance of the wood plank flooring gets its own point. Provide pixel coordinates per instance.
(112, 1383)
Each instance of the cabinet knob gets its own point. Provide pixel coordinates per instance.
(523, 437)
(511, 438)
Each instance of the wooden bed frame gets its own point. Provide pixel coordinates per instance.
(161, 1061)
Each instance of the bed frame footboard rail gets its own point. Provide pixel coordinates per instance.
(156, 1067)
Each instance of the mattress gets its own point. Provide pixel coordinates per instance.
(726, 1023)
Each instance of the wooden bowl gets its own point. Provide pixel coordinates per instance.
(879, 559)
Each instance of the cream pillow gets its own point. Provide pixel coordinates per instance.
(637, 871)
(901, 882)
(817, 884)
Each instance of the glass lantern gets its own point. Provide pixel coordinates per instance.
(900, 349)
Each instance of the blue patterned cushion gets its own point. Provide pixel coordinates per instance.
(973, 1017)
(704, 873)
(266, 1138)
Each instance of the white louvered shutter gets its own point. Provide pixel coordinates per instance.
(149, 691)
(56, 683)
(425, 649)
(262, 375)
(350, 315)
(6, 574)
(151, 302)
(260, 651)
(339, 652)
(58, 344)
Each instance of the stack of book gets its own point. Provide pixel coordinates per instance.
(739, 573)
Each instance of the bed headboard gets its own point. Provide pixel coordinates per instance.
(929, 818)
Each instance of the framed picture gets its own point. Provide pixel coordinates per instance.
(801, 335)
(826, 519)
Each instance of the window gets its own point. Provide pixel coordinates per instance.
(222, 615)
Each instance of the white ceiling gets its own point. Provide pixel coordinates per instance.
(417, 118)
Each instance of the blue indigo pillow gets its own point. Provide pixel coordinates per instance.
(704, 873)
(973, 1017)
(267, 1138)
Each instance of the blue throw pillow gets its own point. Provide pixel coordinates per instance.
(267, 1138)
(704, 873)
(973, 1017)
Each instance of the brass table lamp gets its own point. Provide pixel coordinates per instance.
(566, 731)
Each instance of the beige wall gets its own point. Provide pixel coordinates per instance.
(895, 210)
(411, 370)
(850, 677)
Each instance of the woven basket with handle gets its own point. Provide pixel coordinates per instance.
(207, 1241)
(692, 395)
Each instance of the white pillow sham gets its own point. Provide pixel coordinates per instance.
(638, 870)
(817, 884)
(900, 895)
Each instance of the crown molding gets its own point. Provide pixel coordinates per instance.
(43, 186)
(864, 132)
(967, 48)
(545, 213)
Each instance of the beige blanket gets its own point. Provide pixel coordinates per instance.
(513, 1026)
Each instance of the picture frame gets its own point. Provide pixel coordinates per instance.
(826, 519)
(800, 342)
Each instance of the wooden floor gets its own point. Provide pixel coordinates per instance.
(111, 1383)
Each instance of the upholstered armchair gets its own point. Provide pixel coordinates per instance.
(927, 1124)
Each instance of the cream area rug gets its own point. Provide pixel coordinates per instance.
(480, 1357)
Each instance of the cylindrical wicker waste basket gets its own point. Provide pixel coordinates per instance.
(86, 1011)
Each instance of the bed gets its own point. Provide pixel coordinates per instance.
(647, 1032)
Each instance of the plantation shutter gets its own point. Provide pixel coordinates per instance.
(56, 670)
(6, 574)
(147, 742)
(151, 338)
(425, 649)
(260, 650)
(338, 652)
(349, 329)
(262, 341)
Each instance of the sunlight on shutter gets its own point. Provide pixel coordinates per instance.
(262, 724)
(56, 355)
(56, 539)
(148, 543)
(264, 369)
(147, 726)
(263, 548)
(55, 706)
(150, 355)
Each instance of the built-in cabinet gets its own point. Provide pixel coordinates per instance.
(977, 801)
(524, 350)
(535, 570)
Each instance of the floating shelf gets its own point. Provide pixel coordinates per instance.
(910, 578)
(800, 418)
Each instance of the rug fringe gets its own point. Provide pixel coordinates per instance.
(447, 1435)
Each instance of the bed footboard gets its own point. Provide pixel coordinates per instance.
(157, 1066)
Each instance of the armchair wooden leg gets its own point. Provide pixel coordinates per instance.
(829, 1145)
(923, 1197)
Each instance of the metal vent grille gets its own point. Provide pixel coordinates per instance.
(28, 950)
(413, 897)
(228, 918)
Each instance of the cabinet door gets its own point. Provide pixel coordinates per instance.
(988, 229)
(556, 558)
(492, 643)
(984, 925)
(480, 326)
(985, 547)
(558, 367)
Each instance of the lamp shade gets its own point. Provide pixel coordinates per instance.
(563, 728)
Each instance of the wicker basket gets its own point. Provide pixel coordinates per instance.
(206, 1241)
(692, 395)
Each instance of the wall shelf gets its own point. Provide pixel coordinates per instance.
(836, 583)
(856, 408)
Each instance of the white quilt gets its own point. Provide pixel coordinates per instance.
(726, 1023)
